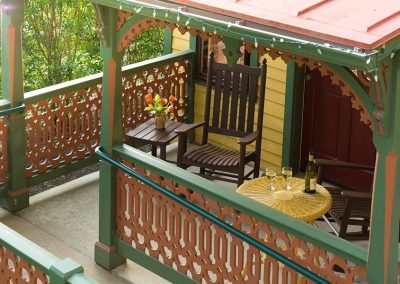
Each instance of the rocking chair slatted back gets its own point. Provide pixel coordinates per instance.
(234, 102)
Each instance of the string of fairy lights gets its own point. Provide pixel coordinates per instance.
(236, 28)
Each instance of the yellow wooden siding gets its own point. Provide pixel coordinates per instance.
(179, 41)
(271, 153)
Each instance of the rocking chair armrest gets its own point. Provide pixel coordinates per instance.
(341, 164)
(186, 127)
(248, 138)
(356, 195)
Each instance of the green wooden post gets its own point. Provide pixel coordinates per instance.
(111, 134)
(191, 80)
(382, 264)
(167, 40)
(254, 58)
(17, 195)
(189, 117)
(293, 119)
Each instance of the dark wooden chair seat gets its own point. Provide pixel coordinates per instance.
(361, 207)
(230, 108)
(349, 207)
(209, 155)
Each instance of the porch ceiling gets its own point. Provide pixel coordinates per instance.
(365, 24)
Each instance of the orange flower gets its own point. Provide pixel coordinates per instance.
(164, 101)
(171, 99)
(156, 105)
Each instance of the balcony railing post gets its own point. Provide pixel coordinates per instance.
(111, 133)
(64, 269)
(17, 195)
(383, 252)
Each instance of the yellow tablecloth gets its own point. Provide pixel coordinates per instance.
(294, 202)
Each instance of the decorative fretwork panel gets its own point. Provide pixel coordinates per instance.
(62, 129)
(65, 128)
(3, 149)
(179, 238)
(13, 269)
(166, 80)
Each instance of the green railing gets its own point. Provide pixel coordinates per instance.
(201, 212)
(23, 261)
(19, 108)
(149, 230)
(62, 122)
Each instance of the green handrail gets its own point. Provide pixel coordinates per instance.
(19, 108)
(274, 254)
(58, 270)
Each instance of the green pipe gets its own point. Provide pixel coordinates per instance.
(276, 255)
(19, 108)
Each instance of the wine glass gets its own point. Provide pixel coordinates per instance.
(270, 174)
(287, 175)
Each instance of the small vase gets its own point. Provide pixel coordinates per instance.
(159, 122)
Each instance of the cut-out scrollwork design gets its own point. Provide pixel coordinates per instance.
(62, 129)
(66, 128)
(174, 235)
(166, 80)
(14, 269)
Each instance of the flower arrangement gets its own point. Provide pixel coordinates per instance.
(159, 106)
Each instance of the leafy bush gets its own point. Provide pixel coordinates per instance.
(60, 42)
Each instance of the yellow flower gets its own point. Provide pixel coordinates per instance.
(148, 108)
(159, 108)
(157, 98)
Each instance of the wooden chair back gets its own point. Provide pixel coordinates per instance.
(235, 99)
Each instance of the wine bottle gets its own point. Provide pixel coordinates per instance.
(310, 178)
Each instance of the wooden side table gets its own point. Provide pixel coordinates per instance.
(148, 134)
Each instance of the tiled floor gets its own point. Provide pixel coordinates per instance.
(64, 220)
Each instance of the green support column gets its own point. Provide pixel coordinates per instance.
(293, 120)
(382, 264)
(167, 40)
(111, 134)
(191, 81)
(254, 58)
(17, 195)
(189, 117)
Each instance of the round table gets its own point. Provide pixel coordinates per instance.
(295, 202)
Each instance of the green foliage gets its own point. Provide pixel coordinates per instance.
(60, 42)
(146, 46)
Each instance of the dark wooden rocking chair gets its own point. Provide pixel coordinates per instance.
(349, 207)
(233, 114)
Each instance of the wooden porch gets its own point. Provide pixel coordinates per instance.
(201, 230)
